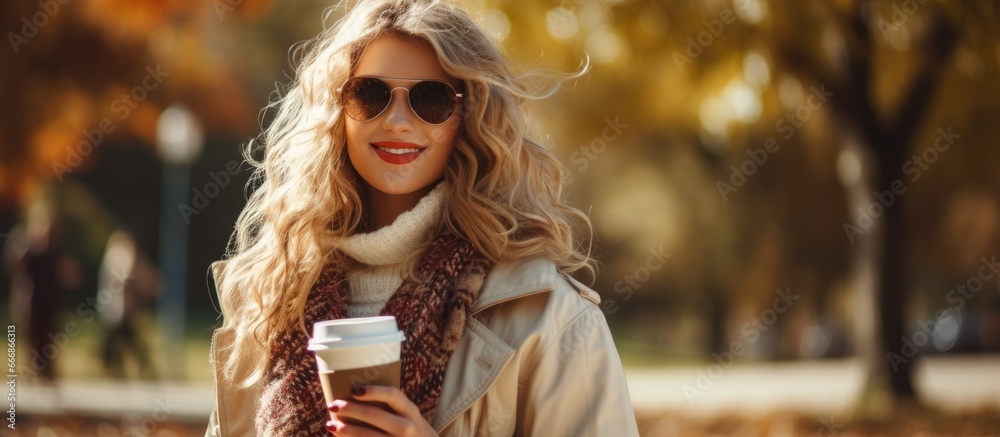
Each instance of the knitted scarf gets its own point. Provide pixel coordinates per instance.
(430, 307)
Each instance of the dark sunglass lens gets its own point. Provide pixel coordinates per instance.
(432, 101)
(364, 98)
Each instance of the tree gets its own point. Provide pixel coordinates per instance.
(888, 138)
(883, 61)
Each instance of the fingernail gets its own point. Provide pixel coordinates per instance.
(358, 391)
(333, 407)
(331, 426)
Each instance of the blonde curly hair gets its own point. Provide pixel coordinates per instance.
(506, 190)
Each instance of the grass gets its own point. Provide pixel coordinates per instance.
(635, 353)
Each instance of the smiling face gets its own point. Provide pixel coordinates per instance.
(382, 150)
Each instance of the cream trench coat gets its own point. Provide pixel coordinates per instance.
(537, 359)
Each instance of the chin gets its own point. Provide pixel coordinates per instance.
(393, 183)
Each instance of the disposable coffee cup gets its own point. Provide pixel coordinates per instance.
(357, 352)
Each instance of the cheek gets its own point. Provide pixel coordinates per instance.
(353, 132)
(357, 136)
(444, 135)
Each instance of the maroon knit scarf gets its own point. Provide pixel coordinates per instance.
(431, 311)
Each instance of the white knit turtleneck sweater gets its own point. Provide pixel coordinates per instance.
(385, 250)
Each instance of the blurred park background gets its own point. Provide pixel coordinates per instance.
(796, 204)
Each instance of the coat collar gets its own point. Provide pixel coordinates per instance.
(507, 281)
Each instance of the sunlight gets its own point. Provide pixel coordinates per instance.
(848, 166)
(743, 100)
(593, 15)
(756, 70)
(604, 45)
(561, 23)
(751, 11)
(497, 23)
(714, 115)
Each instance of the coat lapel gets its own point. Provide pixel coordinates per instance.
(481, 355)
(477, 361)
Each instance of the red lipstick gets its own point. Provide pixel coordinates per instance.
(397, 152)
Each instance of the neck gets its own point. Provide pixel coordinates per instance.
(382, 208)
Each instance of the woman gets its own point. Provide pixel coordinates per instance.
(399, 180)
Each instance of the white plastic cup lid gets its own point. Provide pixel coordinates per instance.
(355, 332)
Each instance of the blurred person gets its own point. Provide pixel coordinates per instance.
(399, 179)
(126, 280)
(41, 275)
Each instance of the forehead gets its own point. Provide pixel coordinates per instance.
(401, 57)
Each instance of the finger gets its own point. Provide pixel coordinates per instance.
(341, 429)
(345, 411)
(390, 395)
(333, 425)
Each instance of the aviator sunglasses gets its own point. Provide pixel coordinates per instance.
(365, 97)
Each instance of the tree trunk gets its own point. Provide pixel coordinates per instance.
(893, 281)
(718, 335)
(875, 398)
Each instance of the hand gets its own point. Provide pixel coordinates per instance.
(407, 422)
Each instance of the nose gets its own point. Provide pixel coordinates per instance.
(398, 118)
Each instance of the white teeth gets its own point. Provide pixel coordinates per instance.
(397, 151)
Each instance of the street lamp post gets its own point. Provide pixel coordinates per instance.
(179, 142)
